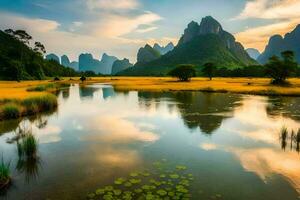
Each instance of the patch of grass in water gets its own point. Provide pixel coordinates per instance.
(4, 173)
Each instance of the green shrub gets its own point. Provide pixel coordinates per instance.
(11, 111)
(4, 172)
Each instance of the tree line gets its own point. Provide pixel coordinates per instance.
(277, 68)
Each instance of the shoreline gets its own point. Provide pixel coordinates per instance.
(248, 86)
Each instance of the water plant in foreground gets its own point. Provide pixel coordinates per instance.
(162, 182)
(4, 174)
(28, 146)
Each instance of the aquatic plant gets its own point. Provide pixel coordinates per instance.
(4, 173)
(150, 185)
(28, 146)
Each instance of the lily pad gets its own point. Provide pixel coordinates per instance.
(135, 181)
(181, 167)
(120, 181)
(162, 192)
(174, 176)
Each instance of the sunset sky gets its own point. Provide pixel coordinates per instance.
(120, 27)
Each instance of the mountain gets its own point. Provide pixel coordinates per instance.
(278, 44)
(200, 43)
(107, 63)
(20, 62)
(120, 65)
(52, 56)
(253, 53)
(147, 54)
(65, 61)
(163, 50)
(88, 63)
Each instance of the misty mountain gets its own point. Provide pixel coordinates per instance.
(278, 44)
(253, 53)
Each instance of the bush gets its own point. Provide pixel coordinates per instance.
(11, 111)
(183, 72)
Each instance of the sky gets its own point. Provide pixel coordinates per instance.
(121, 27)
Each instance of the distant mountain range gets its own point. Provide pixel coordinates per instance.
(86, 62)
(253, 53)
(200, 43)
(278, 44)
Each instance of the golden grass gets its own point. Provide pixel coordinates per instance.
(259, 86)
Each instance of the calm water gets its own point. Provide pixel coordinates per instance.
(231, 143)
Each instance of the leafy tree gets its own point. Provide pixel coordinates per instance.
(208, 70)
(281, 69)
(183, 72)
(39, 48)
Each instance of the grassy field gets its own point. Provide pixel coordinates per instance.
(259, 86)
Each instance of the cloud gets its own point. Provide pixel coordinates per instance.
(271, 9)
(259, 36)
(112, 4)
(118, 25)
(18, 22)
(145, 30)
(285, 13)
(103, 34)
(112, 128)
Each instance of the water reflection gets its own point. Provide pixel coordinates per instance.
(285, 106)
(203, 110)
(99, 134)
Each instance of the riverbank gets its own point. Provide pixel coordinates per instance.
(256, 86)
(19, 99)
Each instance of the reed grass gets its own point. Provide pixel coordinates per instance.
(12, 109)
(28, 146)
(4, 173)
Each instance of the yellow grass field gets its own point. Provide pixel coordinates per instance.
(258, 86)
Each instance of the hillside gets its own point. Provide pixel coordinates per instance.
(20, 62)
(200, 43)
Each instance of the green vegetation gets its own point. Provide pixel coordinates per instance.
(208, 70)
(12, 109)
(18, 61)
(291, 136)
(4, 173)
(281, 69)
(50, 86)
(202, 49)
(183, 72)
(157, 184)
(28, 146)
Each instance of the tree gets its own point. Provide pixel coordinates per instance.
(208, 70)
(39, 48)
(183, 72)
(281, 69)
(83, 78)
